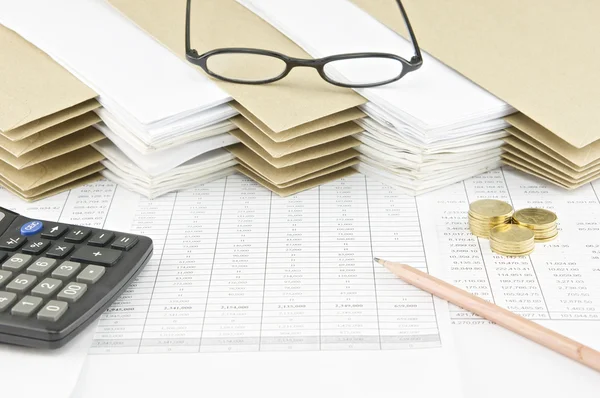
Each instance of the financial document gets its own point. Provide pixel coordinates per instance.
(244, 282)
(237, 268)
(560, 280)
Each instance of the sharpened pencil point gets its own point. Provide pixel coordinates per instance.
(380, 261)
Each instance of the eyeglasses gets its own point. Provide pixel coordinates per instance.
(257, 66)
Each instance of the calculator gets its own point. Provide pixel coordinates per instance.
(55, 278)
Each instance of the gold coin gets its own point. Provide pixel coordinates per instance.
(535, 217)
(511, 233)
(546, 239)
(511, 254)
(512, 247)
(478, 217)
(490, 208)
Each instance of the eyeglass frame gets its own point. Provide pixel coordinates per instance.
(319, 64)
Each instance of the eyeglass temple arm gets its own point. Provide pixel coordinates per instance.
(417, 58)
(188, 46)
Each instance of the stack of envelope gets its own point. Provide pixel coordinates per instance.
(293, 135)
(550, 75)
(430, 129)
(46, 123)
(165, 123)
(168, 125)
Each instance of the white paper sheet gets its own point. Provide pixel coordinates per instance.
(274, 290)
(158, 163)
(112, 55)
(434, 97)
(56, 371)
(558, 285)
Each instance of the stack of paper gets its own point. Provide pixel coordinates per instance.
(166, 121)
(294, 134)
(429, 129)
(163, 118)
(550, 75)
(46, 119)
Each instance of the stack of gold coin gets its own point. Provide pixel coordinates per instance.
(542, 222)
(486, 214)
(512, 240)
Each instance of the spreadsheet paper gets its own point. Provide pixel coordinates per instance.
(245, 282)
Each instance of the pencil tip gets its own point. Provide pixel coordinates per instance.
(380, 261)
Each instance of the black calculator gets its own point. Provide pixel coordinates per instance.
(55, 279)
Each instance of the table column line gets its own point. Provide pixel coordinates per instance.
(487, 276)
(528, 256)
(372, 261)
(262, 309)
(157, 272)
(212, 266)
(437, 325)
(319, 230)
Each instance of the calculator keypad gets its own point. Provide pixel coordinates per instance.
(26, 306)
(41, 266)
(60, 250)
(66, 270)
(56, 278)
(40, 280)
(17, 262)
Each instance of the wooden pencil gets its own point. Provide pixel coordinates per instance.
(496, 314)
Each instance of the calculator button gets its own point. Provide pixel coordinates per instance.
(12, 241)
(47, 288)
(26, 306)
(66, 270)
(101, 238)
(21, 283)
(72, 292)
(77, 235)
(52, 311)
(41, 266)
(96, 255)
(35, 247)
(31, 228)
(124, 242)
(91, 274)
(17, 262)
(4, 277)
(60, 250)
(54, 231)
(6, 299)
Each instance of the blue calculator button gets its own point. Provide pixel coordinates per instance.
(31, 228)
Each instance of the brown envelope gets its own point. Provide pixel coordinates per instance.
(308, 177)
(19, 148)
(44, 123)
(301, 156)
(42, 173)
(279, 176)
(60, 147)
(307, 128)
(545, 154)
(301, 97)
(543, 174)
(540, 56)
(558, 170)
(33, 86)
(298, 187)
(280, 149)
(547, 141)
(59, 182)
(55, 191)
